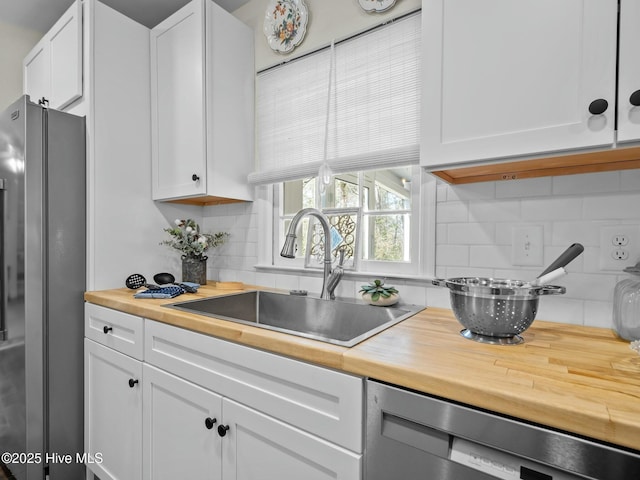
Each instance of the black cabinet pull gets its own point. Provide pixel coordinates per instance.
(195, 177)
(598, 106)
(222, 430)
(106, 329)
(132, 382)
(634, 99)
(210, 422)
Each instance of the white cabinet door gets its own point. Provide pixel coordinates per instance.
(112, 413)
(180, 428)
(178, 104)
(53, 68)
(257, 446)
(629, 72)
(65, 45)
(35, 72)
(504, 78)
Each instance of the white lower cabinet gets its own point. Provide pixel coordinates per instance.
(112, 413)
(257, 446)
(191, 432)
(204, 408)
(180, 428)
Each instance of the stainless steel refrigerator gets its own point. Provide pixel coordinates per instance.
(42, 280)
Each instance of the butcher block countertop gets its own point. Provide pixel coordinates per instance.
(578, 379)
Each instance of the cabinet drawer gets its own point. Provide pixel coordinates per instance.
(324, 402)
(117, 330)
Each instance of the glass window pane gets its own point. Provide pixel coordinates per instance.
(301, 234)
(298, 194)
(388, 238)
(346, 191)
(391, 189)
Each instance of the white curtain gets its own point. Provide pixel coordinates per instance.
(374, 107)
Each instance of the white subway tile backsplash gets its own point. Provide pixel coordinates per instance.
(630, 180)
(586, 184)
(490, 256)
(620, 206)
(473, 238)
(471, 233)
(551, 208)
(438, 297)
(452, 255)
(287, 282)
(454, 272)
(472, 192)
(494, 211)
(598, 314)
(582, 231)
(452, 212)
(412, 294)
(589, 286)
(531, 187)
(560, 309)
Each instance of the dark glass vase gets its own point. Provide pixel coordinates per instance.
(194, 269)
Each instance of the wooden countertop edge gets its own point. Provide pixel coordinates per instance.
(510, 383)
(300, 348)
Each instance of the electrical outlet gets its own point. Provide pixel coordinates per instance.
(527, 245)
(619, 246)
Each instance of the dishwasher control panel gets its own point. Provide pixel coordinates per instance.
(501, 464)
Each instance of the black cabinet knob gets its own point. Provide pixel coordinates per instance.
(106, 329)
(634, 99)
(222, 430)
(132, 382)
(598, 106)
(195, 177)
(210, 422)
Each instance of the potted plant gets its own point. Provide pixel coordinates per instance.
(186, 237)
(376, 293)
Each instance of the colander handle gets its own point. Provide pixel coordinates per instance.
(439, 282)
(551, 290)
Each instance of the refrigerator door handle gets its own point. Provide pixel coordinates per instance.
(3, 273)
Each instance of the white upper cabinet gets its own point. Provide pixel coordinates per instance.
(629, 72)
(508, 79)
(53, 68)
(202, 73)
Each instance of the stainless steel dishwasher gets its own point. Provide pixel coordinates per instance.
(411, 436)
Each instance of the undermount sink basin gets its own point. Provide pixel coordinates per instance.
(340, 322)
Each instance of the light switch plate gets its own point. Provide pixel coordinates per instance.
(527, 245)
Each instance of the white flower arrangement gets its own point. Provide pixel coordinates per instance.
(187, 238)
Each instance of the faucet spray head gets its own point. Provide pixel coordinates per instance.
(289, 247)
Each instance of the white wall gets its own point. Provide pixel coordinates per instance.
(328, 20)
(15, 43)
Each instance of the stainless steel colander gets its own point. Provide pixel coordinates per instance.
(495, 310)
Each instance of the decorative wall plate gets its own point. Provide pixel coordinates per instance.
(376, 5)
(285, 24)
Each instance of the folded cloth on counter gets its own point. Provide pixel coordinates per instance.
(191, 284)
(162, 292)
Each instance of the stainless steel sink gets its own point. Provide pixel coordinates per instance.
(341, 322)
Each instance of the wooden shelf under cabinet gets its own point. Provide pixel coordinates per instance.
(204, 201)
(569, 164)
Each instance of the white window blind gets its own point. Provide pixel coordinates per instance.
(374, 107)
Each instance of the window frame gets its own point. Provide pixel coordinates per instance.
(422, 235)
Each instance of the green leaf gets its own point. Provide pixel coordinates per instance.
(375, 296)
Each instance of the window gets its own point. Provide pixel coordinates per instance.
(354, 108)
(381, 204)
